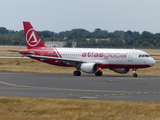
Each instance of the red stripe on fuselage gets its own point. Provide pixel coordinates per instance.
(58, 53)
(123, 66)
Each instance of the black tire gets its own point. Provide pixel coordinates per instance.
(98, 73)
(135, 75)
(77, 73)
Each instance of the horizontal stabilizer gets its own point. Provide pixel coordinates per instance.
(13, 50)
(21, 52)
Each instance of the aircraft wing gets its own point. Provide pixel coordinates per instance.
(58, 59)
(69, 60)
(157, 60)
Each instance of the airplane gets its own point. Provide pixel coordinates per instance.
(87, 60)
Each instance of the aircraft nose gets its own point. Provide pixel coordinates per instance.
(152, 62)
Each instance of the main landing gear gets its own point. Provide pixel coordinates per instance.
(78, 73)
(98, 73)
(134, 72)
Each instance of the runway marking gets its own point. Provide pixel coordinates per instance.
(154, 92)
(106, 94)
(129, 93)
(61, 89)
(97, 95)
(86, 97)
(131, 78)
(115, 93)
(132, 93)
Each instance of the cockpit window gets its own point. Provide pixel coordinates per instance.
(143, 55)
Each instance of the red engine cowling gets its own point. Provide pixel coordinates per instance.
(120, 70)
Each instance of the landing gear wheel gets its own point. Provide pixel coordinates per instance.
(135, 75)
(134, 72)
(98, 73)
(77, 73)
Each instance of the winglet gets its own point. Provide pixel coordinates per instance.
(31, 36)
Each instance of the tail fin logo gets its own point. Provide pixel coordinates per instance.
(32, 38)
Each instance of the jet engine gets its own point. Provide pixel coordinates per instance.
(89, 67)
(120, 70)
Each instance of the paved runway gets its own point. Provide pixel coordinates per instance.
(80, 87)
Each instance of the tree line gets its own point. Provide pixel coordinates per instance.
(84, 38)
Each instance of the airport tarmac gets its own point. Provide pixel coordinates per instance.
(142, 88)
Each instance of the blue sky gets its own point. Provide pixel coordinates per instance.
(62, 15)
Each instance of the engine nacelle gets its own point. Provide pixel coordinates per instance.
(89, 67)
(120, 70)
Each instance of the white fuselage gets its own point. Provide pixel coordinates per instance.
(119, 57)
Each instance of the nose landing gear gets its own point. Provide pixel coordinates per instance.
(134, 72)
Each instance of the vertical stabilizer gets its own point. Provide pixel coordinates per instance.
(31, 36)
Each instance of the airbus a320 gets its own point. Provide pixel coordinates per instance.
(85, 60)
